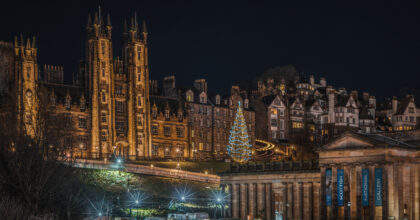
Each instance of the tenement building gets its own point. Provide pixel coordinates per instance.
(112, 107)
(358, 176)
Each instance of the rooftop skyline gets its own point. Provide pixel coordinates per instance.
(372, 48)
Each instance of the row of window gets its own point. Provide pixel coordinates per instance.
(407, 118)
(167, 130)
(167, 149)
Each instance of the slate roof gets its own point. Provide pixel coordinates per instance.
(161, 103)
(61, 90)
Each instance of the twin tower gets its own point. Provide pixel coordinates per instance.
(117, 89)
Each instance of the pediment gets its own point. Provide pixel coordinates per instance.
(348, 142)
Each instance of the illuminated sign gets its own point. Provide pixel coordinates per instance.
(340, 187)
(378, 186)
(365, 187)
(328, 187)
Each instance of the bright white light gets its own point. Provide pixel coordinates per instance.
(218, 199)
(100, 214)
(119, 160)
(137, 201)
(183, 198)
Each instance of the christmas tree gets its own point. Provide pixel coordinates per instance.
(239, 147)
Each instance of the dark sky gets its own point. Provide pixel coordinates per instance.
(369, 47)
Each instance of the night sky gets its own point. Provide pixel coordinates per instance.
(373, 48)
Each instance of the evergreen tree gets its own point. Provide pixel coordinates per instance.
(239, 147)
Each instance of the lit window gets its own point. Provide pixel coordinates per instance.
(103, 117)
(139, 123)
(119, 106)
(179, 132)
(154, 129)
(167, 131)
(82, 122)
(273, 111)
(155, 149)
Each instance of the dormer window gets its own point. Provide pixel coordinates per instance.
(154, 112)
(246, 103)
(180, 115)
(82, 105)
(217, 100)
(167, 113)
(68, 102)
(53, 101)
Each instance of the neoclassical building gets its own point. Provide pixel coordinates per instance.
(358, 176)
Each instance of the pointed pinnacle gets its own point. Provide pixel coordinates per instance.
(28, 43)
(96, 21)
(89, 21)
(108, 20)
(125, 28)
(16, 41)
(33, 42)
(144, 28)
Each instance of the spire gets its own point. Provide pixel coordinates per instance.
(132, 25)
(16, 41)
(89, 21)
(96, 21)
(100, 17)
(136, 25)
(33, 42)
(108, 20)
(28, 43)
(144, 28)
(21, 40)
(125, 28)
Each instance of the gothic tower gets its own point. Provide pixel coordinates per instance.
(26, 79)
(135, 55)
(99, 83)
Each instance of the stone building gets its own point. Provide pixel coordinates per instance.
(111, 107)
(398, 115)
(359, 176)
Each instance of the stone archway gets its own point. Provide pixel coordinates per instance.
(122, 149)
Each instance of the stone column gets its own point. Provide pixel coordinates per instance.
(251, 200)
(243, 201)
(235, 201)
(260, 199)
(268, 201)
(316, 201)
(307, 200)
(323, 205)
(289, 203)
(282, 200)
(353, 183)
(297, 204)
(416, 196)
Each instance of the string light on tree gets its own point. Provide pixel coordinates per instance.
(239, 147)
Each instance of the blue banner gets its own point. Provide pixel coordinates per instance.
(378, 186)
(340, 187)
(328, 187)
(365, 187)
